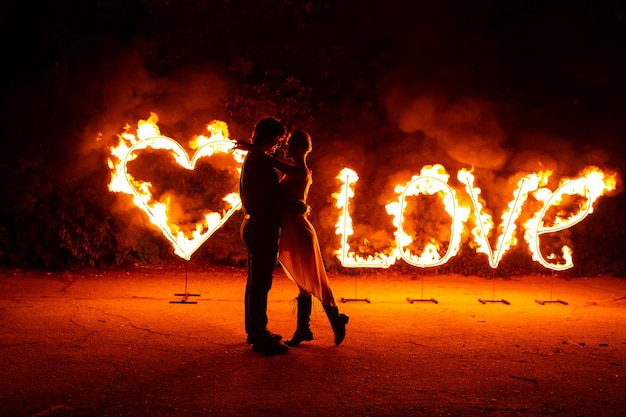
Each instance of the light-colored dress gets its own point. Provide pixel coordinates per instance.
(299, 249)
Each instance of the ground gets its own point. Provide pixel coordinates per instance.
(112, 344)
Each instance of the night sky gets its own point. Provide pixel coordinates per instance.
(384, 87)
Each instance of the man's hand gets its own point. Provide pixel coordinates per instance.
(244, 145)
(296, 206)
(304, 207)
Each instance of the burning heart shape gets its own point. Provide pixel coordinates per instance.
(159, 209)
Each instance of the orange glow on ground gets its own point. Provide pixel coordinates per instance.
(110, 343)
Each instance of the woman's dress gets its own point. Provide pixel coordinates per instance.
(299, 250)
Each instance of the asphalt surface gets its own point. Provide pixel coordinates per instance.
(120, 343)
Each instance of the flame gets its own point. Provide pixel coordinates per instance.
(344, 228)
(556, 212)
(483, 221)
(591, 183)
(432, 180)
(148, 136)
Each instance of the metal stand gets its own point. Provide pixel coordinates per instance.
(185, 295)
(493, 300)
(346, 300)
(418, 300)
(551, 301)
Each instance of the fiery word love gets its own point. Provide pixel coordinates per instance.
(433, 180)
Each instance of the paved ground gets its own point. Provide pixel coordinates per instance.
(112, 344)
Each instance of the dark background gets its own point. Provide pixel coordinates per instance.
(383, 87)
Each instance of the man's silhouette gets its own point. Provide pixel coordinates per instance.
(260, 196)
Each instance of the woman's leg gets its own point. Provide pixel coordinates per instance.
(337, 322)
(303, 330)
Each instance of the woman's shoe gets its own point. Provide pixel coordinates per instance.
(301, 335)
(337, 322)
(303, 331)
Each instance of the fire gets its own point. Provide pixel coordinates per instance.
(591, 183)
(569, 204)
(148, 136)
(432, 180)
(484, 222)
(348, 258)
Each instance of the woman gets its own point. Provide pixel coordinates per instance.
(299, 251)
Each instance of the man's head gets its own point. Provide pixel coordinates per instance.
(267, 132)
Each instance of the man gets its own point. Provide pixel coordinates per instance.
(260, 196)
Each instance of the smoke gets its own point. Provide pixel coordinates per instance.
(501, 142)
(186, 101)
(465, 129)
(424, 126)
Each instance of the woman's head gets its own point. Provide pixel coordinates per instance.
(299, 141)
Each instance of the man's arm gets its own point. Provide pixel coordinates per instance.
(295, 206)
(278, 163)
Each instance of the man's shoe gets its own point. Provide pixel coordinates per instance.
(269, 347)
(274, 336)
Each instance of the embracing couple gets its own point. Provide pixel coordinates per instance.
(276, 227)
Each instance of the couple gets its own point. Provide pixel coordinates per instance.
(276, 211)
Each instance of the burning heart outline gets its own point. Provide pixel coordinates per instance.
(183, 246)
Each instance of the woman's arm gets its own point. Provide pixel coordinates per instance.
(284, 166)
